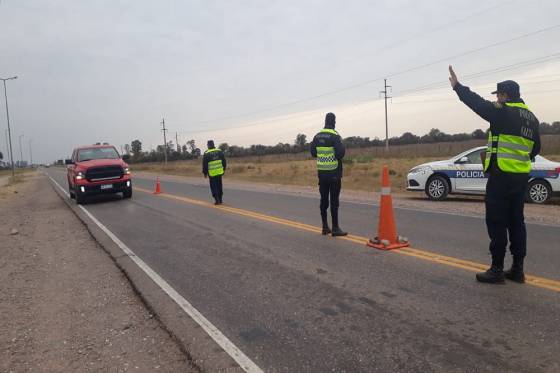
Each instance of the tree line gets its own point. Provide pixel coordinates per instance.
(190, 150)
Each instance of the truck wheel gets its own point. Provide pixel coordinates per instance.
(127, 193)
(437, 188)
(71, 192)
(538, 191)
(80, 197)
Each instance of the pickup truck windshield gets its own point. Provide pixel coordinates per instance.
(97, 153)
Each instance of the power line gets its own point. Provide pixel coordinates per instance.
(367, 82)
(518, 65)
(427, 87)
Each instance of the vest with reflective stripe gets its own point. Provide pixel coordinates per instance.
(326, 159)
(512, 151)
(215, 168)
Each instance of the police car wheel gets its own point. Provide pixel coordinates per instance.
(538, 191)
(437, 188)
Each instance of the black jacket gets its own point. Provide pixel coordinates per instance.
(503, 119)
(212, 156)
(329, 139)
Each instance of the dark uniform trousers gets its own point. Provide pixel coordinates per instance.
(330, 187)
(505, 198)
(216, 187)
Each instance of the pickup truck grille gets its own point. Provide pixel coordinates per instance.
(104, 173)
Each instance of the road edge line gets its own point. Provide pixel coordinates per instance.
(244, 362)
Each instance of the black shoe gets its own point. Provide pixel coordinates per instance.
(492, 276)
(216, 202)
(337, 232)
(326, 230)
(515, 274)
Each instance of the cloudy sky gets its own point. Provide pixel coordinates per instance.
(247, 72)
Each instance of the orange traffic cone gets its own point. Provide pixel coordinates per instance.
(387, 238)
(158, 186)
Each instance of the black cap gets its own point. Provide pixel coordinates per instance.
(210, 144)
(330, 120)
(508, 86)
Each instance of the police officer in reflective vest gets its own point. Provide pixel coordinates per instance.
(327, 147)
(513, 142)
(213, 167)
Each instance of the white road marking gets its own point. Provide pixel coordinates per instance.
(232, 350)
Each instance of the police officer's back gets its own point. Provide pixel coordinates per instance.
(513, 141)
(213, 166)
(327, 147)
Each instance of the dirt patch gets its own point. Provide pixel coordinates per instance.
(64, 305)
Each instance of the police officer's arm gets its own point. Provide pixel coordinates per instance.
(205, 165)
(313, 147)
(223, 158)
(484, 108)
(339, 149)
(487, 110)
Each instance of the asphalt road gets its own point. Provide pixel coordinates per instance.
(293, 300)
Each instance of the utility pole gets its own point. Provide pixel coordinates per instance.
(20, 152)
(177, 142)
(7, 145)
(30, 154)
(164, 140)
(386, 119)
(8, 118)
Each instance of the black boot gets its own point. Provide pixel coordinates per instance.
(326, 230)
(494, 275)
(337, 232)
(515, 273)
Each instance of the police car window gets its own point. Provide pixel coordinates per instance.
(474, 157)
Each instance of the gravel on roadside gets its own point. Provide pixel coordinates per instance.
(64, 305)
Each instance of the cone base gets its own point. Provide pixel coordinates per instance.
(392, 246)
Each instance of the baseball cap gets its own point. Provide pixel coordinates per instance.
(507, 86)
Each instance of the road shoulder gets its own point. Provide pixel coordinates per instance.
(64, 305)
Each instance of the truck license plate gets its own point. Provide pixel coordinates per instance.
(107, 186)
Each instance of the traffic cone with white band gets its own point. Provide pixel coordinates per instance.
(158, 186)
(387, 238)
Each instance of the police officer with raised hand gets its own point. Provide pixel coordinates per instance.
(213, 167)
(327, 147)
(513, 142)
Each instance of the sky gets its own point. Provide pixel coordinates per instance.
(247, 72)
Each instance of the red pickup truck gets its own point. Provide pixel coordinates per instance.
(97, 169)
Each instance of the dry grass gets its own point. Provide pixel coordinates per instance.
(360, 173)
(362, 167)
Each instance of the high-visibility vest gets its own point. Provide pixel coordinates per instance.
(326, 159)
(512, 151)
(215, 168)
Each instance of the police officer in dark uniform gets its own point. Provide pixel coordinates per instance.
(513, 142)
(327, 147)
(214, 166)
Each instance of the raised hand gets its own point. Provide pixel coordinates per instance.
(452, 77)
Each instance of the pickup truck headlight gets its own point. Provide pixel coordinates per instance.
(127, 171)
(421, 169)
(80, 176)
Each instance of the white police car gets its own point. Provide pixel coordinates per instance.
(463, 174)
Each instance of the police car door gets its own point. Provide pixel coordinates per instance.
(469, 173)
